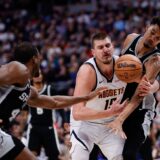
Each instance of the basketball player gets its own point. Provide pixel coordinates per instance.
(15, 92)
(40, 130)
(88, 119)
(137, 125)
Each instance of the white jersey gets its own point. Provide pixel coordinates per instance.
(115, 89)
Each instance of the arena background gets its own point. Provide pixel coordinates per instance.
(61, 30)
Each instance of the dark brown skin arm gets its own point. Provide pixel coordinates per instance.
(57, 102)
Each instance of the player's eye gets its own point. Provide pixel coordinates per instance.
(100, 47)
(107, 45)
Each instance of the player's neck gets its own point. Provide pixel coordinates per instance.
(107, 70)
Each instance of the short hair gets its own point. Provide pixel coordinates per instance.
(24, 52)
(99, 36)
(155, 20)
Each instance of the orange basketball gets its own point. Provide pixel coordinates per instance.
(128, 68)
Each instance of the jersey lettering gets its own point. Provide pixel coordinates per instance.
(111, 92)
(23, 97)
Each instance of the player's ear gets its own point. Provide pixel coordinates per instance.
(147, 26)
(93, 52)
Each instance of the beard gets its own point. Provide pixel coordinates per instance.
(148, 45)
(108, 60)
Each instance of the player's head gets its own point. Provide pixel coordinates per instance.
(26, 53)
(102, 48)
(39, 79)
(152, 34)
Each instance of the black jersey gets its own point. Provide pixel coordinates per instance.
(40, 116)
(12, 101)
(131, 87)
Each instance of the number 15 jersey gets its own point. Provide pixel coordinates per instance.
(115, 89)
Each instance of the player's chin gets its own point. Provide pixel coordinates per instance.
(107, 60)
(36, 73)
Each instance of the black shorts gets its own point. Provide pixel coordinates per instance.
(136, 128)
(10, 146)
(43, 136)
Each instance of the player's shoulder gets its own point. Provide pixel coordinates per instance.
(19, 68)
(87, 68)
(16, 65)
(18, 71)
(86, 71)
(131, 36)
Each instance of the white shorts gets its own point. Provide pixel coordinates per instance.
(9, 146)
(6, 143)
(84, 137)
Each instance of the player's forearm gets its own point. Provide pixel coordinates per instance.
(153, 71)
(62, 101)
(154, 87)
(56, 102)
(132, 105)
(90, 114)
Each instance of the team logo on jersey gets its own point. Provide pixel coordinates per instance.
(130, 49)
(101, 81)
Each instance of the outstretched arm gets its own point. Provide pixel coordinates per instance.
(57, 102)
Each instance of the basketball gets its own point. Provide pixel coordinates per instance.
(128, 68)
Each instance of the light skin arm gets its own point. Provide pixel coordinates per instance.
(57, 102)
(85, 82)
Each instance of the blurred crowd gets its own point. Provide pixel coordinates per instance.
(62, 31)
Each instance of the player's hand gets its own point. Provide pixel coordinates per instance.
(118, 107)
(144, 87)
(95, 93)
(1, 121)
(116, 127)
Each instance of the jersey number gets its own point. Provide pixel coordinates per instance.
(109, 103)
(14, 114)
(39, 111)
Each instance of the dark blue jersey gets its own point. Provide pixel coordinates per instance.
(12, 101)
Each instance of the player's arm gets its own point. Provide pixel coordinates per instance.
(144, 88)
(13, 73)
(85, 82)
(152, 68)
(57, 102)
